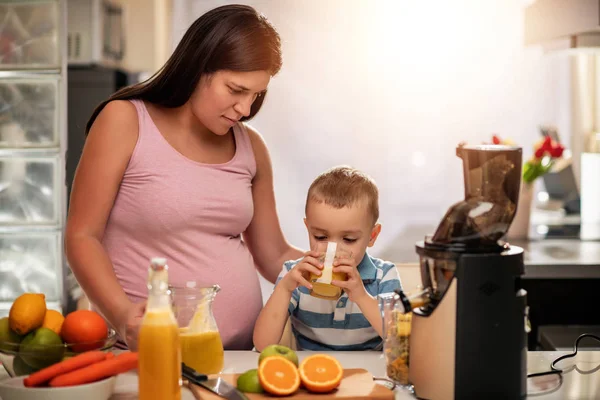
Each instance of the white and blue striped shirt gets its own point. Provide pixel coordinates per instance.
(323, 325)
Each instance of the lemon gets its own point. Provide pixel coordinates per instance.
(27, 313)
(41, 348)
(9, 341)
(248, 382)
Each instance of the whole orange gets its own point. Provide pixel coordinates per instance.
(84, 330)
(53, 321)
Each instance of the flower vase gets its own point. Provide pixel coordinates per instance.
(519, 228)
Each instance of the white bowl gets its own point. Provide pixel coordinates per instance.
(13, 389)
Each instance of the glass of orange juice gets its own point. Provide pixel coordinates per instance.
(201, 345)
(322, 287)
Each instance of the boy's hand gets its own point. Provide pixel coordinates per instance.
(299, 275)
(354, 285)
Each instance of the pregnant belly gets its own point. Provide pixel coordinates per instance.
(208, 261)
(236, 309)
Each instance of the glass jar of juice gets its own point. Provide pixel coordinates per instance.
(201, 345)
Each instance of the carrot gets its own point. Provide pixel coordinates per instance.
(79, 361)
(95, 372)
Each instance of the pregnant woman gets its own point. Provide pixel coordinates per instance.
(170, 169)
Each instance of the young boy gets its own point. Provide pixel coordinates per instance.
(342, 206)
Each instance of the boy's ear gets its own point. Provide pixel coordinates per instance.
(305, 223)
(374, 234)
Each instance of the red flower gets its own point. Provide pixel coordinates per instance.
(547, 145)
(557, 151)
(539, 153)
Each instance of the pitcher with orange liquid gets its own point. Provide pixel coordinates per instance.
(159, 351)
(201, 345)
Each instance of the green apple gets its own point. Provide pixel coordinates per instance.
(277, 350)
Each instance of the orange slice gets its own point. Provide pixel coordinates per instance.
(278, 376)
(320, 373)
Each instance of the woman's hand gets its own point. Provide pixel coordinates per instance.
(300, 274)
(353, 285)
(128, 326)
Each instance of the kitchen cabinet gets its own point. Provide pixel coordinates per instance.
(147, 34)
(560, 23)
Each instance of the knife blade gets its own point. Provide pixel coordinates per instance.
(191, 375)
(223, 389)
(216, 385)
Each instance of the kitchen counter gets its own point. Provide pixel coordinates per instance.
(561, 259)
(241, 361)
(580, 381)
(555, 258)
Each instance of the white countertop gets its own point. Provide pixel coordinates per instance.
(581, 379)
(241, 361)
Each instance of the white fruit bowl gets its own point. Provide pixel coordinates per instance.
(19, 362)
(13, 389)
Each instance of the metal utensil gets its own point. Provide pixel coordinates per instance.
(215, 385)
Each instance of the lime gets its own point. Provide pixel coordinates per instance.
(9, 340)
(41, 348)
(248, 382)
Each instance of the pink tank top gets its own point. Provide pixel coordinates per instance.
(193, 214)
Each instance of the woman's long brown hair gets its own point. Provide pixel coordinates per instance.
(231, 37)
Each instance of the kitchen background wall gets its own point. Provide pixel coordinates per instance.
(391, 87)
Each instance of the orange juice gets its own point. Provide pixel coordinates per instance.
(159, 356)
(327, 291)
(321, 284)
(202, 351)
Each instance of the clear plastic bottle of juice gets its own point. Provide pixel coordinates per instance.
(158, 343)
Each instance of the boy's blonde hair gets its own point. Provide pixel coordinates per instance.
(344, 186)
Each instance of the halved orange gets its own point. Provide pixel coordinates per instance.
(320, 373)
(278, 376)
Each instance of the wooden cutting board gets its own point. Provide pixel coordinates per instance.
(357, 384)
